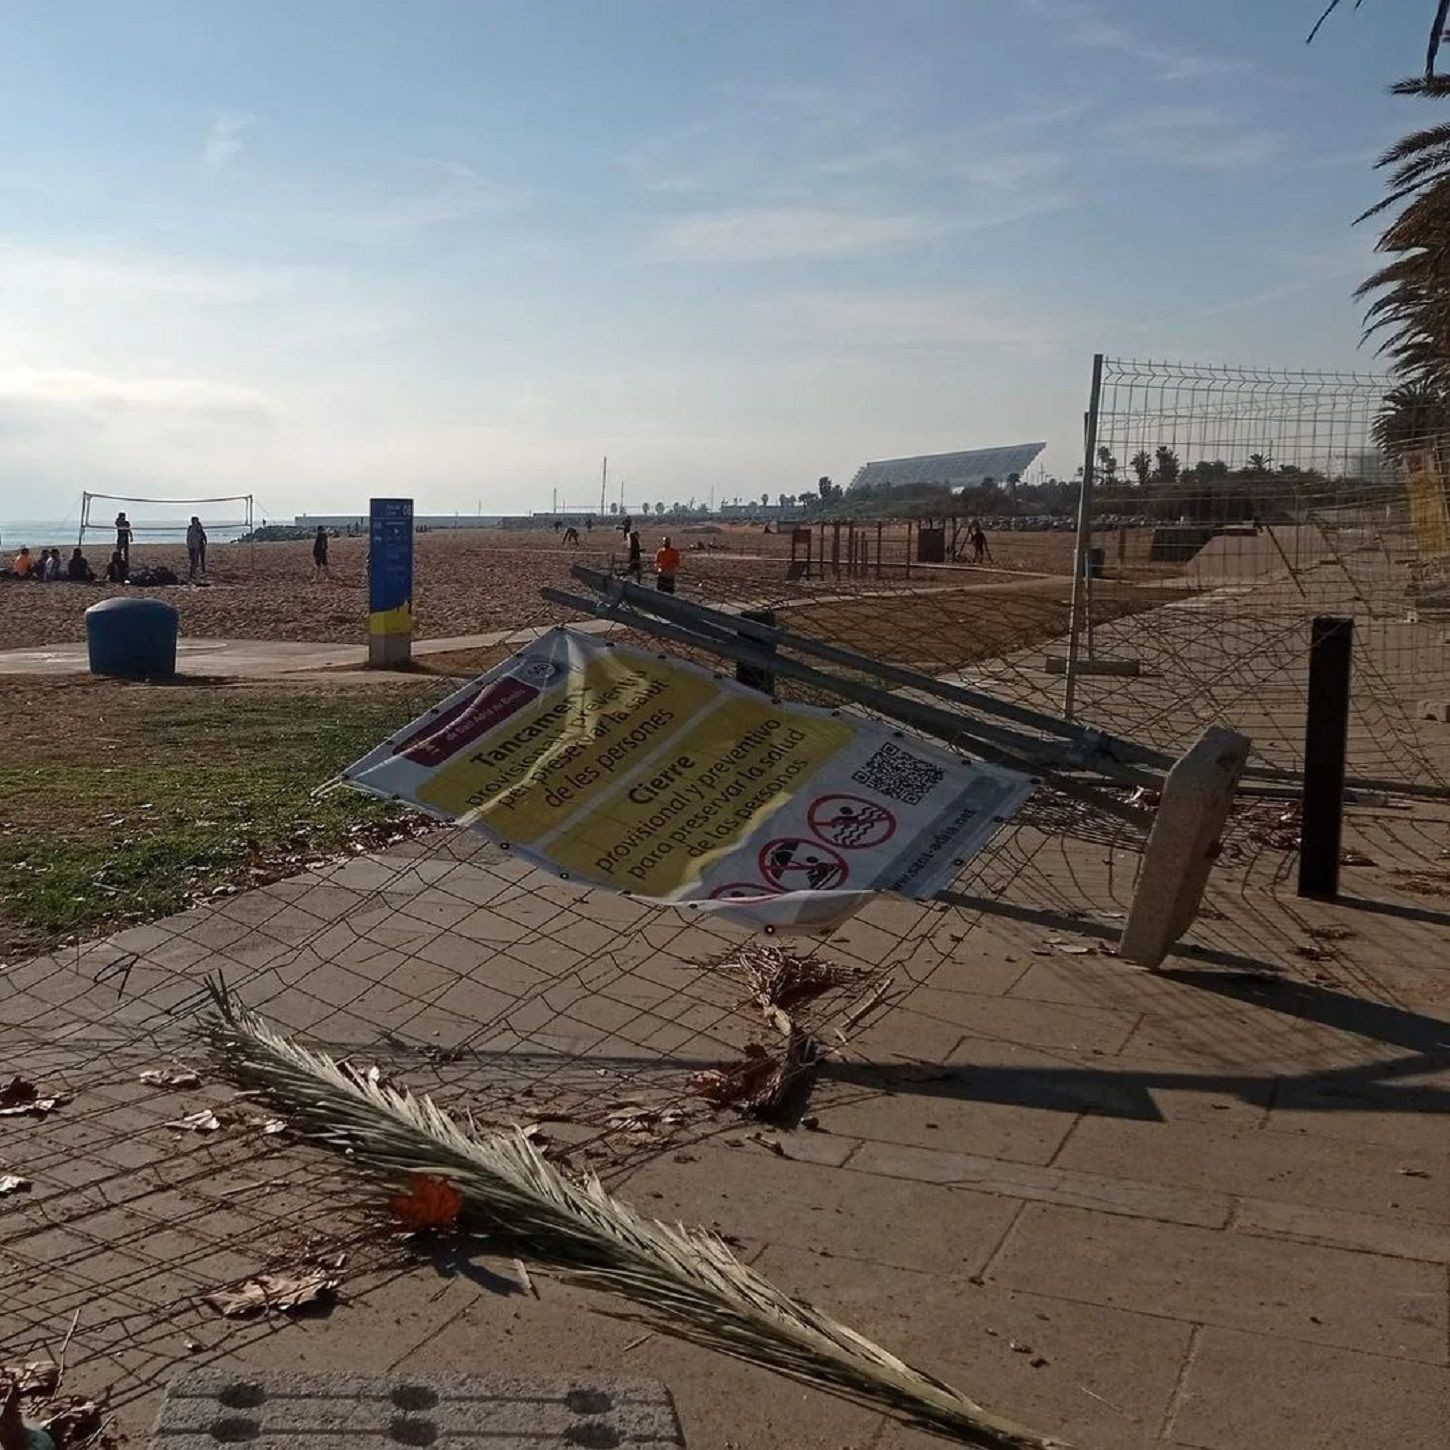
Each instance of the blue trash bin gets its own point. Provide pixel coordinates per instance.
(131, 637)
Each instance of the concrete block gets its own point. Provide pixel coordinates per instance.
(1433, 710)
(206, 1408)
(1197, 796)
(1101, 665)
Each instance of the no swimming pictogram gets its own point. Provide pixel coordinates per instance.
(850, 822)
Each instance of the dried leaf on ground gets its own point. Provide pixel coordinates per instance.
(776, 978)
(429, 1202)
(283, 1290)
(13, 1183)
(34, 1377)
(173, 1077)
(21, 1098)
(73, 1421)
(204, 1121)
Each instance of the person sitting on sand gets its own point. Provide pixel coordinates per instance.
(635, 567)
(667, 565)
(123, 537)
(116, 570)
(195, 547)
(24, 565)
(319, 555)
(79, 570)
(52, 571)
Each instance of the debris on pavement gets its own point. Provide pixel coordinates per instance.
(38, 1377)
(13, 1183)
(21, 1098)
(429, 1202)
(172, 1077)
(203, 1121)
(283, 1290)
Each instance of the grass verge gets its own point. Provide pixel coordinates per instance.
(121, 802)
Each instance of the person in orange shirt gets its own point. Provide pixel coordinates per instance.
(667, 565)
(24, 565)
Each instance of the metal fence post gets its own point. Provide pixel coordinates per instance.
(1084, 537)
(752, 675)
(1326, 732)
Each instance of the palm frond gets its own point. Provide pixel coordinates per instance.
(681, 1281)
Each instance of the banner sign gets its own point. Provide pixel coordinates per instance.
(390, 566)
(656, 778)
(1426, 492)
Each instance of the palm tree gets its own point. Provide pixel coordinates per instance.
(1413, 415)
(1411, 314)
(1258, 463)
(1437, 28)
(1142, 464)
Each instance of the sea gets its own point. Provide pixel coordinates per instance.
(52, 533)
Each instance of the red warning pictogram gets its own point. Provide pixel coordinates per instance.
(850, 822)
(795, 864)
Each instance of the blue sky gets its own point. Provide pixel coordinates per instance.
(318, 249)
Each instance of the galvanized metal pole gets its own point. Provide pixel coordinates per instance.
(1084, 537)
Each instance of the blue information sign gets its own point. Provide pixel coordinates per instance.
(390, 566)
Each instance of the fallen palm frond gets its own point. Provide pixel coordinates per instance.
(681, 1281)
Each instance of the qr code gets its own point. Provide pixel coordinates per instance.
(899, 774)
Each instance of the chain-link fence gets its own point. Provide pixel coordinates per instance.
(614, 1030)
(1253, 500)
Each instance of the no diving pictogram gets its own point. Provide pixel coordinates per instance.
(850, 822)
(794, 864)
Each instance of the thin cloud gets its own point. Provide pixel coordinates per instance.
(224, 139)
(1200, 136)
(1078, 23)
(77, 388)
(433, 193)
(766, 234)
(952, 317)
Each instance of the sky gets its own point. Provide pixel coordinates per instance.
(317, 250)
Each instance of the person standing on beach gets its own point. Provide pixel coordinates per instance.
(667, 565)
(195, 546)
(635, 566)
(319, 555)
(123, 537)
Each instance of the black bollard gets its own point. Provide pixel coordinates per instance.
(1326, 733)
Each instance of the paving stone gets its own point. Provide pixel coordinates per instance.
(1030, 1181)
(1395, 1237)
(941, 1112)
(1255, 1389)
(205, 1408)
(743, 1191)
(1358, 1177)
(1360, 1301)
(1101, 1378)
(1034, 1024)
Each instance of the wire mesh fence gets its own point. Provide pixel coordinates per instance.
(613, 1030)
(1253, 500)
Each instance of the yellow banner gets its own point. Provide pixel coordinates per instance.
(655, 777)
(1426, 492)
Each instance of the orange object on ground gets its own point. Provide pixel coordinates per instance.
(429, 1202)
